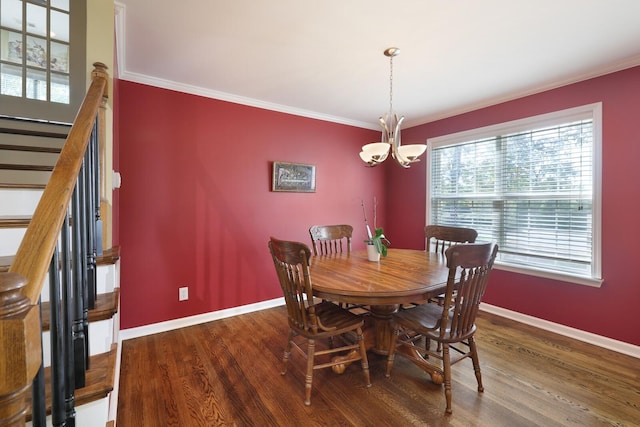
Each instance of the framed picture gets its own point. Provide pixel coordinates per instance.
(294, 177)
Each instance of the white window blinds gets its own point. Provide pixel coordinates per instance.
(527, 185)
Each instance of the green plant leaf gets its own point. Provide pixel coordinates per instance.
(379, 241)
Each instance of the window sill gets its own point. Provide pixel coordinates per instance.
(579, 280)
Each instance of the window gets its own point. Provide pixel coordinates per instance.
(532, 186)
(39, 77)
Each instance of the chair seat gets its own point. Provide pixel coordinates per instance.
(335, 317)
(425, 319)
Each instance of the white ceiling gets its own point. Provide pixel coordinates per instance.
(324, 58)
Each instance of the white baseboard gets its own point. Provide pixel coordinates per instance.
(126, 334)
(588, 337)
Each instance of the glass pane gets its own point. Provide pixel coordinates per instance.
(60, 4)
(11, 14)
(10, 80)
(11, 46)
(36, 52)
(36, 20)
(60, 26)
(37, 85)
(60, 88)
(59, 57)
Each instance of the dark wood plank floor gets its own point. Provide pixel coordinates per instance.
(227, 373)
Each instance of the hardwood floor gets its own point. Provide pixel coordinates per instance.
(227, 373)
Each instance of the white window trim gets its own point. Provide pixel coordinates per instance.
(558, 117)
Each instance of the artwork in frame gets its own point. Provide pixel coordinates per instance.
(293, 177)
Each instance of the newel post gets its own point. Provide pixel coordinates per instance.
(20, 344)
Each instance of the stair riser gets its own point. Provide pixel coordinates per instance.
(14, 202)
(101, 336)
(20, 177)
(90, 414)
(34, 140)
(106, 276)
(10, 239)
(28, 158)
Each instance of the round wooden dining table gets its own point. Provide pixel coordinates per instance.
(403, 276)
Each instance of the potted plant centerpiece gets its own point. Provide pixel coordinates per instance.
(377, 245)
(376, 242)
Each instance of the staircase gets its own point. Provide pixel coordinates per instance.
(29, 151)
(95, 404)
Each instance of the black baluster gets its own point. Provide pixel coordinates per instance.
(89, 230)
(95, 143)
(39, 404)
(79, 338)
(67, 319)
(58, 418)
(82, 230)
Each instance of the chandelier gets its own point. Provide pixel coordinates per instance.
(377, 152)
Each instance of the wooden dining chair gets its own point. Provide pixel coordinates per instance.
(453, 324)
(440, 237)
(328, 239)
(309, 323)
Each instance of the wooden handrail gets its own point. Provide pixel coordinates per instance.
(35, 251)
(20, 288)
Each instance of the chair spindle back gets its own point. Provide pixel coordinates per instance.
(291, 260)
(469, 269)
(328, 239)
(446, 236)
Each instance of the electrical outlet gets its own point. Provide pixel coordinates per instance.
(183, 294)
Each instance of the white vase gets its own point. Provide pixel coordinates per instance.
(372, 253)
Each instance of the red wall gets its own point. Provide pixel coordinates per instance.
(195, 207)
(611, 310)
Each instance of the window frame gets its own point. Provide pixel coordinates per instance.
(13, 106)
(593, 111)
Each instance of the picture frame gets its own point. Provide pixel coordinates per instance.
(293, 177)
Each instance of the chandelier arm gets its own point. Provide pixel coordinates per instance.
(385, 130)
(402, 161)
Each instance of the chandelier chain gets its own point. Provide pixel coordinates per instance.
(391, 85)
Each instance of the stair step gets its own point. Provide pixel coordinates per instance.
(5, 263)
(22, 186)
(109, 256)
(29, 150)
(17, 221)
(106, 307)
(15, 126)
(99, 380)
(20, 167)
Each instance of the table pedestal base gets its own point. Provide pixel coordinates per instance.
(381, 316)
(412, 353)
